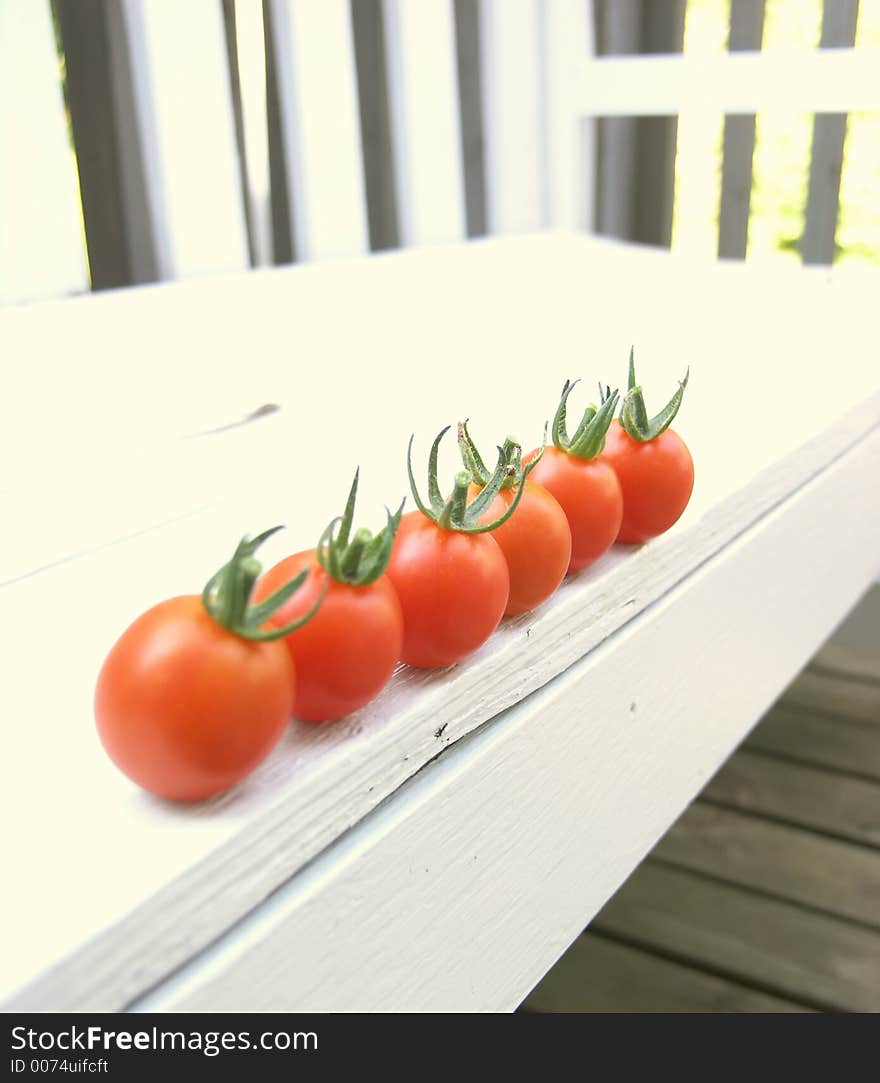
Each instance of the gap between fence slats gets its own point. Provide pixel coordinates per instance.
(839, 18)
(746, 34)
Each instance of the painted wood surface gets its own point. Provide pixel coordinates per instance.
(183, 112)
(788, 839)
(41, 244)
(512, 110)
(812, 80)
(423, 99)
(180, 878)
(379, 903)
(320, 126)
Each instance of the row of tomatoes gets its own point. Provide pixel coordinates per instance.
(198, 690)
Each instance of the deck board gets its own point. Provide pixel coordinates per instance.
(838, 878)
(819, 688)
(822, 740)
(813, 958)
(810, 797)
(637, 981)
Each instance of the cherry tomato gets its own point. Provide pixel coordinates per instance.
(656, 477)
(185, 707)
(535, 541)
(589, 493)
(345, 655)
(453, 589)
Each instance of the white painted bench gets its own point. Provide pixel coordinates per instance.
(440, 849)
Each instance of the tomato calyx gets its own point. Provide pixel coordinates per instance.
(634, 416)
(361, 559)
(473, 461)
(227, 594)
(456, 513)
(588, 440)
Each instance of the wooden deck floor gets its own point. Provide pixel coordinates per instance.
(765, 895)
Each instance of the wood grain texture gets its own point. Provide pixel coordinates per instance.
(600, 975)
(792, 864)
(179, 878)
(820, 960)
(482, 819)
(810, 797)
(821, 740)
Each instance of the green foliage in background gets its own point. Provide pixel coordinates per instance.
(782, 149)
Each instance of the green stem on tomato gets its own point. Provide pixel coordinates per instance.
(634, 415)
(227, 595)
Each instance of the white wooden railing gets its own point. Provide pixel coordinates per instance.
(191, 184)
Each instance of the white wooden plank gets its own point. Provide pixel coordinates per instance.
(817, 80)
(251, 49)
(570, 142)
(42, 247)
(426, 131)
(460, 893)
(183, 103)
(517, 298)
(319, 115)
(512, 79)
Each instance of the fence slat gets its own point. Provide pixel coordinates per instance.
(815, 80)
(320, 126)
(41, 243)
(423, 93)
(183, 117)
(636, 154)
(568, 36)
(94, 69)
(511, 86)
(746, 34)
(839, 20)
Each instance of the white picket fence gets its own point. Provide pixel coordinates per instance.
(184, 127)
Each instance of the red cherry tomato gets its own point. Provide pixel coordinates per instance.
(344, 656)
(453, 589)
(656, 477)
(589, 494)
(536, 542)
(185, 707)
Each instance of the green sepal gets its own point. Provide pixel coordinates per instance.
(456, 513)
(634, 416)
(361, 559)
(227, 595)
(588, 440)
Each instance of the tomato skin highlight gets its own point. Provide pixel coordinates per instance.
(589, 494)
(535, 541)
(186, 708)
(453, 589)
(656, 477)
(344, 656)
